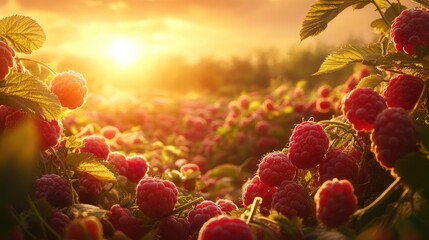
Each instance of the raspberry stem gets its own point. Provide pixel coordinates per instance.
(359, 213)
(185, 206)
(381, 13)
(255, 206)
(421, 98)
(39, 63)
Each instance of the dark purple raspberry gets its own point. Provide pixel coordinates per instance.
(58, 221)
(226, 205)
(124, 221)
(256, 188)
(55, 189)
(335, 202)
(137, 168)
(89, 188)
(174, 228)
(202, 213)
(410, 30)
(292, 200)
(156, 197)
(393, 137)
(96, 145)
(225, 228)
(338, 164)
(274, 168)
(307, 145)
(403, 91)
(361, 107)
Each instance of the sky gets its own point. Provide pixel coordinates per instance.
(130, 31)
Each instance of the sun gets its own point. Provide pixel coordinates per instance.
(125, 52)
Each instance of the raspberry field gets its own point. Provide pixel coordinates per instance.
(345, 159)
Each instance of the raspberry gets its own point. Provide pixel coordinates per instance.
(110, 132)
(137, 168)
(70, 88)
(225, 228)
(49, 133)
(202, 213)
(156, 197)
(338, 164)
(88, 228)
(6, 59)
(335, 202)
(55, 189)
(119, 161)
(410, 30)
(324, 105)
(226, 205)
(324, 91)
(58, 221)
(403, 91)
(292, 200)
(262, 127)
(124, 221)
(96, 145)
(256, 188)
(274, 168)
(174, 228)
(5, 111)
(361, 107)
(89, 188)
(393, 137)
(189, 167)
(307, 145)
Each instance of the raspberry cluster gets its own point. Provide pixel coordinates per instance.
(70, 88)
(410, 30)
(307, 145)
(394, 136)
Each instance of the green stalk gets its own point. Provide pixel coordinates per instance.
(255, 206)
(42, 221)
(421, 98)
(39, 63)
(381, 13)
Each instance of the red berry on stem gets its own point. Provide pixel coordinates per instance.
(256, 188)
(55, 189)
(70, 88)
(274, 168)
(338, 164)
(96, 145)
(403, 91)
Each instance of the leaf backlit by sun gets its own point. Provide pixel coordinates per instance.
(125, 52)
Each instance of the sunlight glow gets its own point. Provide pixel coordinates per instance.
(125, 51)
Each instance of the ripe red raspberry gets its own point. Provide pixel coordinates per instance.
(292, 200)
(410, 30)
(110, 132)
(338, 164)
(393, 137)
(156, 197)
(96, 145)
(7, 55)
(226, 205)
(124, 221)
(256, 188)
(403, 91)
(84, 228)
(361, 107)
(70, 88)
(55, 189)
(274, 168)
(58, 221)
(307, 145)
(5, 111)
(225, 228)
(137, 168)
(324, 91)
(202, 213)
(89, 188)
(335, 202)
(324, 105)
(174, 228)
(49, 133)
(119, 161)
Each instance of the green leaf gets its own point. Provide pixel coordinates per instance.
(393, 11)
(382, 3)
(320, 14)
(361, 4)
(22, 33)
(348, 55)
(87, 162)
(29, 94)
(370, 81)
(404, 64)
(380, 26)
(413, 169)
(224, 170)
(425, 3)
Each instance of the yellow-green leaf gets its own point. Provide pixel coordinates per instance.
(87, 162)
(370, 81)
(224, 170)
(22, 33)
(320, 14)
(425, 3)
(29, 94)
(348, 55)
(380, 26)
